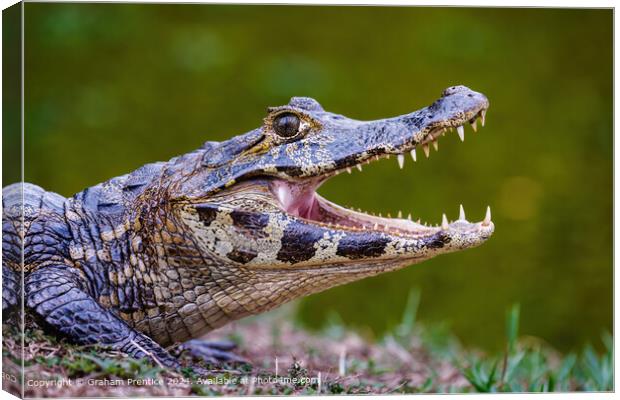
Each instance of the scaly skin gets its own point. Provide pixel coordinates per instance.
(178, 248)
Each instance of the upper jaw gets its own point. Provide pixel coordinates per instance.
(341, 144)
(406, 134)
(344, 144)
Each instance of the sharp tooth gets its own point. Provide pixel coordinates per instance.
(389, 215)
(401, 160)
(413, 155)
(380, 216)
(483, 115)
(427, 150)
(418, 221)
(444, 222)
(436, 145)
(388, 156)
(474, 125)
(461, 131)
(487, 217)
(409, 217)
(359, 167)
(443, 132)
(283, 196)
(349, 170)
(462, 213)
(400, 214)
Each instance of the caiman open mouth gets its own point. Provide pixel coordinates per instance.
(299, 198)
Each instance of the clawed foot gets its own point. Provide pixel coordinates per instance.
(212, 352)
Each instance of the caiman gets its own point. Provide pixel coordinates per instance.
(175, 249)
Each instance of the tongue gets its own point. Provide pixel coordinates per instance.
(296, 199)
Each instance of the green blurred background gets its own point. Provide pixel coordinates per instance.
(110, 87)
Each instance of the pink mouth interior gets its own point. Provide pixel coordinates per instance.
(301, 200)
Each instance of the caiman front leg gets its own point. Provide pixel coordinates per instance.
(58, 295)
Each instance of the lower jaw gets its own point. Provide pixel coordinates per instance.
(300, 200)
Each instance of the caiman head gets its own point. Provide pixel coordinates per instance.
(251, 207)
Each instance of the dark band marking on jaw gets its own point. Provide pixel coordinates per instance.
(242, 256)
(207, 214)
(363, 245)
(298, 243)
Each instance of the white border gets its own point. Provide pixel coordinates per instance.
(451, 3)
(480, 3)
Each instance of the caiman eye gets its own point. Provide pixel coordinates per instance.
(286, 125)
